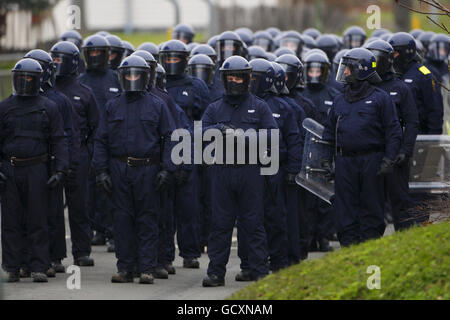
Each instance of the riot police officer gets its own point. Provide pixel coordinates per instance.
(237, 189)
(334, 68)
(151, 48)
(116, 51)
(75, 37)
(294, 41)
(364, 128)
(398, 182)
(426, 92)
(191, 94)
(264, 40)
(317, 90)
(312, 32)
(129, 48)
(184, 33)
(127, 158)
(354, 37)
(32, 132)
(105, 84)
(65, 57)
(328, 44)
(256, 52)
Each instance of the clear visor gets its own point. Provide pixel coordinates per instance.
(290, 43)
(346, 71)
(438, 51)
(134, 79)
(263, 43)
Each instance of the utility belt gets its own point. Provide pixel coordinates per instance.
(25, 162)
(347, 153)
(138, 162)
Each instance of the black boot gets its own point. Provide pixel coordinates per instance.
(191, 263)
(313, 246)
(12, 277)
(213, 281)
(39, 277)
(58, 266)
(244, 275)
(98, 239)
(24, 272)
(84, 261)
(160, 273)
(51, 273)
(146, 277)
(122, 277)
(111, 246)
(324, 245)
(170, 268)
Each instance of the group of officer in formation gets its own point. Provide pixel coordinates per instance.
(91, 122)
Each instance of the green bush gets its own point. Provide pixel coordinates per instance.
(414, 264)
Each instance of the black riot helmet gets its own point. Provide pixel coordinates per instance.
(337, 59)
(26, 78)
(255, 52)
(377, 33)
(263, 76)
(439, 48)
(358, 64)
(229, 44)
(425, 38)
(263, 39)
(160, 80)
(151, 61)
(420, 54)
(116, 51)
(151, 48)
(46, 62)
(294, 41)
(236, 76)
(317, 69)
(65, 56)
(72, 36)
(283, 50)
(191, 46)
(312, 51)
(273, 31)
(103, 33)
(271, 56)
(328, 44)
(405, 46)
(202, 67)
(129, 48)
(205, 49)
(293, 68)
(134, 74)
(280, 79)
(354, 37)
(246, 37)
(312, 32)
(384, 54)
(96, 52)
(416, 33)
(212, 42)
(183, 32)
(173, 57)
(310, 43)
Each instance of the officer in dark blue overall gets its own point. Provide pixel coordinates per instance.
(66, 56)
(426, 93)
(437, 54)
(184, 33)
(322, 215)
(292, 190)
(191, 94)
(397, 183)
(275, 215)
(81, 232)
(363, 126)
(116, 51)
(76, 38)
(127, 162)
(295, 77)
(294, 41)
(31, 133)
(264, 40)
(237, 190)
(353, 37)
(105, 84)
(328, 44)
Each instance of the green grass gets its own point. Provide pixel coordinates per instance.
(414, 264)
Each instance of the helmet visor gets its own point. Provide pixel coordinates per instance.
(438, 51)
(174, 62)
(236, 82)
(115, 58)
(183, 36)
(317, 73)
(96, 57)
(263, 43)
(347, 71)
(134, 79)
(291, 43)
(64, 64)
(201, 71)
(26, 83)
(384, 61)
(228, 48)
(354, 41)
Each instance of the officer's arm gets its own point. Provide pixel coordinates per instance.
(93, 119)
(73, 135)
(166, 127)
(410, 116)
(58, 142)
(205, 94)
(294, 143)
(329, 133)
(391, 125)
(101, 150)
(185, 123)
(208, 119)
(434, 108)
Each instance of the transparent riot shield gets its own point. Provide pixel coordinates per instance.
(312, 176)
(430, 164)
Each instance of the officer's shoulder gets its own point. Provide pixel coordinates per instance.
(200, 82)
(7, 101)
(156, 98)
(47, 103)
(333, 91)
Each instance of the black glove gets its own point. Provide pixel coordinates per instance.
(386, 166)
(401, 158)
(2, 181)
(56, 179)
(290, 179)
(225, 127)
(103, 181)
(163, 180)
(181, 177)
(327, 165)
